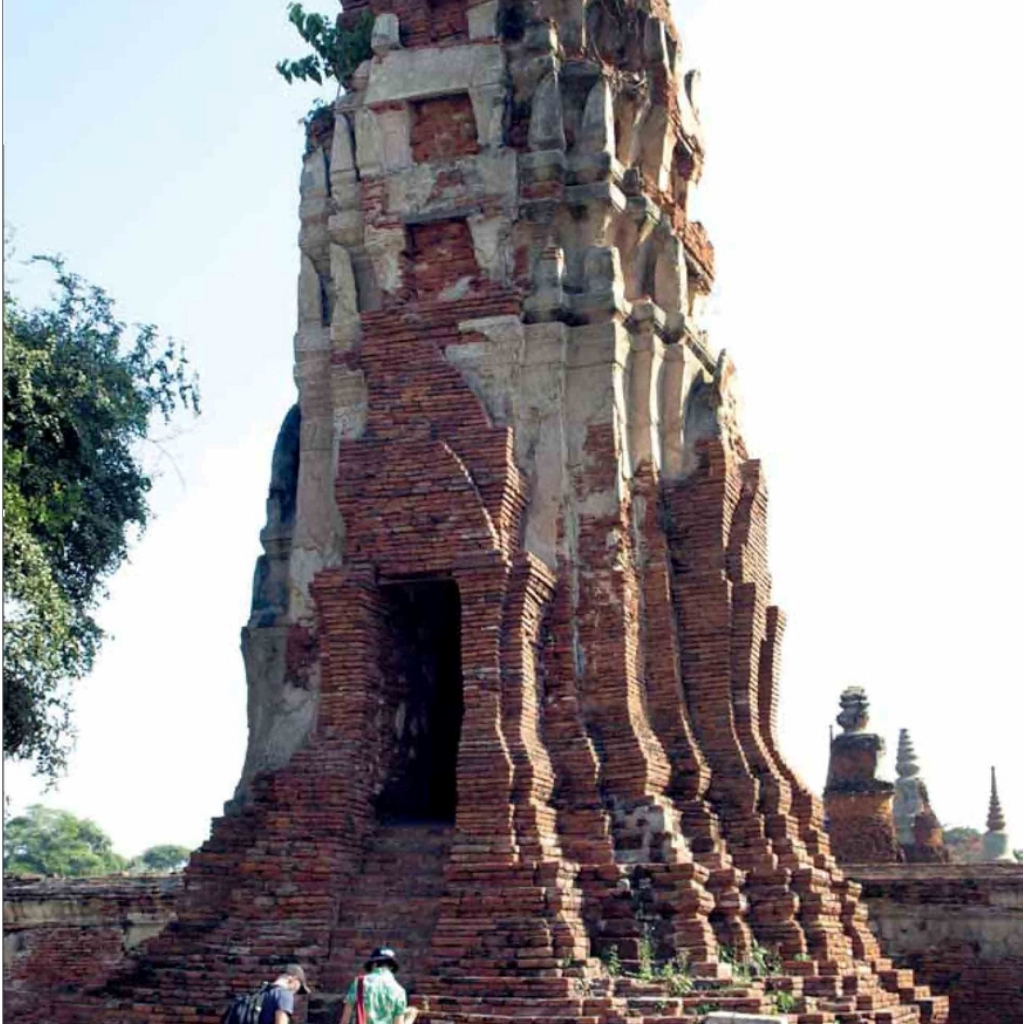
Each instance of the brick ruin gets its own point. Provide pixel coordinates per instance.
(869, 819)
(513, 663)
(958, 925)
(858, 804)
(72, 933)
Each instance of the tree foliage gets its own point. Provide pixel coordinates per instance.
(337, 51)
(45, 841)
(963, 843)
(162, 859)
(79, 391)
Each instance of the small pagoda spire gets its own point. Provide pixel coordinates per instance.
(995, 843)
(906, 759)
(996, 822)
(917, 827)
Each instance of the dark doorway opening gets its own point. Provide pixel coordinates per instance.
(421, 663)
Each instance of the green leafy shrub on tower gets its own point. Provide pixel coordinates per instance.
(337, 50)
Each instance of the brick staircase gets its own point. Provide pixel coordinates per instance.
(812, 993)
(395, 901)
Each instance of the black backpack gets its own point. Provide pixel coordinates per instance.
(245, 1009)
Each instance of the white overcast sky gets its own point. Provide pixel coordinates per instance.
(864, 192)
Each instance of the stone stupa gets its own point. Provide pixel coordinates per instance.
(858, 803)
(995, 843)
(918, 829)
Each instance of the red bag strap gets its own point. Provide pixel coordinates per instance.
(360, 1007)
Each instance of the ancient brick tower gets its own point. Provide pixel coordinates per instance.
(513, 661)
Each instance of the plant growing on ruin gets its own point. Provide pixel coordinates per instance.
(741, 969)
(765, 961)
(337, 51)
(676, 974)
(645, 954)
(80, 390)
(611, 961)
(785, 1002)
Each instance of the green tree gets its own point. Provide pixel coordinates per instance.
(337, 50)
(80, 390)
(164, 858)
(963, 843)
(45, 841)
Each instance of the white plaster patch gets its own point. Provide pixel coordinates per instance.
(459, 290)
(487, 175)
(482, 20)
(434, 71)
(385, 246)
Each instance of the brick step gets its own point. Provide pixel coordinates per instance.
(391, 890)
(913, 993)
(893, 1015)
(486, 986)
(877, 1001)
(828, 988)
(494, 1018)
(534, 1008)
(395, 900)
(933, 1009)
(896, 979)
(738, 1004)
(668, 1006)
(655, 1019)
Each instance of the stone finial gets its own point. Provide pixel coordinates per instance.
(854, 714)
(906, 759)
(996, 822)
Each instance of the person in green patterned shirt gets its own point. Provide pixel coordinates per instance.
(382, 999)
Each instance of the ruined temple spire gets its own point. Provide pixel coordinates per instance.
(996, 822)
(995, 843)
(906, 759)
(910, 801)
(917, 826)
(859, 805)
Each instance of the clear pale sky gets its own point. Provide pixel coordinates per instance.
(864, 192)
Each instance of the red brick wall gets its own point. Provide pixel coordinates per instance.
(443, 128)
(423, 22)
(64, 935)
(861, 829)
(958, 926)
(442, 256)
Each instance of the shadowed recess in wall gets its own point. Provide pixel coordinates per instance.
(421, 668)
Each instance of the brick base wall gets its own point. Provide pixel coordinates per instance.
(69, 934)
(958, 926)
